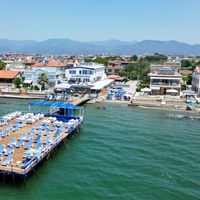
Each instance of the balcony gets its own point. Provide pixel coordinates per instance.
(166, 84)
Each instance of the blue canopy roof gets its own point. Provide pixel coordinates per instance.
(54, 104)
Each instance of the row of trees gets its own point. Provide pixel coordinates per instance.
(137, 71)
(103, 60)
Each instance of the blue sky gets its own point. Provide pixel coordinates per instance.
(90, 20)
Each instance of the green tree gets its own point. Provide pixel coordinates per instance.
(137, 70)
(121, 73)
(185, 63)
(43, 80)
(156, 58)
(103, 60)
(17, 82)
(2, 65)
(134, 58)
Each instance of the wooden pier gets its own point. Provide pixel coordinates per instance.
(20, 166)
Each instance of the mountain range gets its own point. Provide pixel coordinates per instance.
(112, 46)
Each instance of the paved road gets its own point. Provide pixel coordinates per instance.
(133, 86)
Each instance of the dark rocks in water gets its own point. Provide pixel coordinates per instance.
(185, 117)
(101, 108)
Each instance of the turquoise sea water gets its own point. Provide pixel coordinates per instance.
(121, 153)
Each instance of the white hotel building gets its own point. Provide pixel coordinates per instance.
(86, 73)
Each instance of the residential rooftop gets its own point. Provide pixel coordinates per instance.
(8, 74)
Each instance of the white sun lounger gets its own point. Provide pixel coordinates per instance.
(19, 144)
(29, 145)
(22, 136)
(9, 151)
(8, 160)
(2, 148)
(12, 142)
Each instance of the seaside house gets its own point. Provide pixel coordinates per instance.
(85, 73)
(196, 80)
(164, 80)
(7, 76)
(55, 70)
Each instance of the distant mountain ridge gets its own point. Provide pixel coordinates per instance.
(112, 46)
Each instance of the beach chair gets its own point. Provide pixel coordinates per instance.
(5, 134)
(3, 122)
(57, 133)
(2, 148)
(37, 139)
(15, 127)
(47, 131)
(39, 131)
(22, 136)
(21, 125)
(47, 140)
(12, 142)
(29, 145)
(19, 144)
(32, 130)
(29, 137)
(61, 128)
(53, 128)
(9, 151)
(39, 147)
(8, 160)
(1, 156)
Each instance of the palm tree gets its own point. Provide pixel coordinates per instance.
(43, 80)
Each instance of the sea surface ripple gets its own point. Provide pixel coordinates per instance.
(120, 153)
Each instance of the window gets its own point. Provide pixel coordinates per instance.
(72, 71)
(52, 77)
(86, 80)
(87, 72)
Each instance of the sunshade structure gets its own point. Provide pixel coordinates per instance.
(53, 108)
(172, 91)
(54, 104)
(28, 81)
(146, 89)
(63, 86)
(189, 92)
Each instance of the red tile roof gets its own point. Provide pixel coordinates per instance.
(113, 67)
(116, 77)
(51, 63)
(8, 74)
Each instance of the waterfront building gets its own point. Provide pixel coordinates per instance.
(163, 80)
(55, 70)
(85, 73)
(196, 80)
(7, 76)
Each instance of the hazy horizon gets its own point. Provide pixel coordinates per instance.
(88, 20)
(92, 41)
